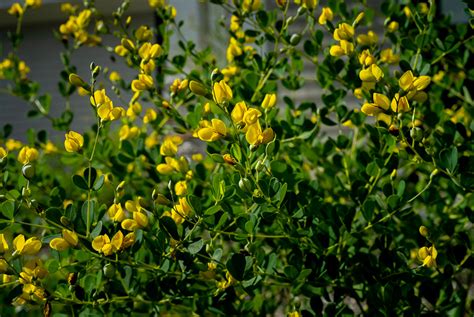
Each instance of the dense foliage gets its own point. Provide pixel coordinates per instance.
(266, 212)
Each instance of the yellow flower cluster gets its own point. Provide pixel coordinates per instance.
(248, 120)
(30, 246)
(344, 33)
(8, 66)
(27, 155)
(73, 142)
(76, 26)
(103, 244)
(105, 107)
(69, 239)
(180, 211)
(139, 218)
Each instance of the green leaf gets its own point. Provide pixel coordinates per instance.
(80, 182)
(449, 159)
(169, 226)
(236, 266)
(372, 169)
(7, 208)
(100, 182)
(92, 173)
(195, 247)
(88, 206)
(54, 214)
(368, 209)
(212, 210)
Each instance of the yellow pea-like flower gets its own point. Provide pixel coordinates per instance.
(368, 39)
(141, 219)
(421, 82)
(26, 247)
(117, 241)
(4, 247)
(3, 153)
(371, 74)
(59, 244)
(156, 3)
(143, 33)
(116, 213)
(255, 136)
(212, 131)
(269, 101)
(381, 101)
(221, 92)
(115, 76)
(16, 9)
(392, 26)
(144, 82)
(170, 145)
(237, 114)
(27, 155)
(344, 31)
(406, 81)
(250, 5)
(128, 240)
(71, 237)
(251, 116)
(370, 109)
(181, 188)
(400, 104)
(148, 51)
(387, 56)
(336, 51)
(180, 210)
(428, 256)
(73, 142)
(326, 15)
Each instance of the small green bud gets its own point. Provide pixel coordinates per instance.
(28, 171)
(109, 270)
(423, 231)
(295, 39)
(245, 184)
(393, 175)
(197, 88)
(77, 81)
(96, 71)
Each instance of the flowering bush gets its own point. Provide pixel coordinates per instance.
(267, 213)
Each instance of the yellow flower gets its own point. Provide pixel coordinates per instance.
(392, 26)
(326, 15)
(3, 244)
(344, 31)
(180, 210)
(116, 213)
(221, 92)
(33, 3)
(371, 74)
(3, 153)
(151, 140)
(103, 244)
(3, 266)
(387, 56)
(366, 59)
(144, 82)
(99, 98)
(368, 39)
(238, 112)
(16, 9)
(74, 141)
(143, 33)
(128, 240)
(344, 48)
(197, 157)
(114, 76)
(406, 81)
(381, 103)
(294, 314)
(59, 244)
(269, 101)
(233, 49)
(134, 110)
(212, 131)
(70, 236)
(309, 4)
(400, 104)
(148, 51)
(27, 155)
(181, 188)
(358, 93)
(423, 231)
(251, 116)
(421, 82)
(428, 256)
(156, 3)
(12, 145)
(108, 112)
(170, 145)
(255, 136)
(126, 132)
(28, 247)
(250, 5)
(139, 221)
(150, 115)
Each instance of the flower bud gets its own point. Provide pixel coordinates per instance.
(245, 184)
(28, 171)
(393, 175)
(77, 81)
(423, 231)
(216, 75)
(197, 88)
(295, 39)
